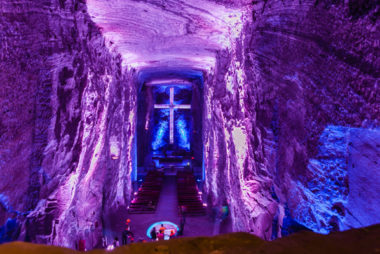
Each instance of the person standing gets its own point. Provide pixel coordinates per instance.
(153, 234)
(127, 233)
(182, 224)
(162, 229)
(172, 234)
(124, 237)
(104, 242)
(160, 236)
(116, 242)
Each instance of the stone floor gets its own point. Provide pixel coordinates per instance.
(166, 211)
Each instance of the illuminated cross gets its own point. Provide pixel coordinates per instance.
(172, 106)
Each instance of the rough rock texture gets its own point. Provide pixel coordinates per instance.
(290, 117)
(297, 67)
(168, 33)
(364, 178)
(313, 75)
(65, 101)
(325, 194)
(18, 89)
(343, 190)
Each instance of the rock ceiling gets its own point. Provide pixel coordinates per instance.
(167, 33)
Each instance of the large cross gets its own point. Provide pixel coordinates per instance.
(172, 106)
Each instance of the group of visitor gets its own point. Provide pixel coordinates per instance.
(160, 234)
(156, 235)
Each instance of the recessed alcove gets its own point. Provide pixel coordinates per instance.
(169, 121)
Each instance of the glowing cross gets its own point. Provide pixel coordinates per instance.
(172, 106)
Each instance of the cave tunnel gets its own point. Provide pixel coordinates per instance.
(206, 116)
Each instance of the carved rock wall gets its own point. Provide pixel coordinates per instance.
(344, 184)
(298, 67)
(66, 101)
(284, 72)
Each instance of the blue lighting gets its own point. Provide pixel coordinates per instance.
(166, 98)
(161, 130)
(167, 225)
(183, 132)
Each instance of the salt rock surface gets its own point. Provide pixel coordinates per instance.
(296, 69)
(343, 188)
(364, 178)
(173, 33)
(61, 86)
(276, 75)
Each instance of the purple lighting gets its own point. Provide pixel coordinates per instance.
(268, 109)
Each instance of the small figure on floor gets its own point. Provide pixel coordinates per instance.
(127, 235)
(116, 242)
(182, 222)
(153, 234)
(160, 236)
(162, 229)
(124, 237)
(172, 234)
(104, 242)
